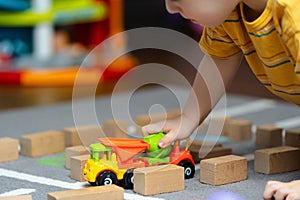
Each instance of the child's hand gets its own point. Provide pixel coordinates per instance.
(177, 128)
(282, 191)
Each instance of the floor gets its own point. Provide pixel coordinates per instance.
(39, 176)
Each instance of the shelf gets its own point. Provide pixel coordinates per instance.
(63, 12)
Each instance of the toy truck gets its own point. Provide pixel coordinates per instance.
(113, 160)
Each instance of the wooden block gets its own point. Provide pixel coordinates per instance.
(223, 170)
(21, 197)
(8, 149)
(197, 144)
(74, 151)
(115, 128)
(77, 166)
(111, 192)
(71, 137)
(215, 152)
(292, 137)
(239, 130)
(268, 135)
(82, 135)
(158, 179)
(41, 144)
(277, 160)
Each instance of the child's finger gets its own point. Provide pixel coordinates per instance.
(168, 139)
(152, 128)
(270, 189)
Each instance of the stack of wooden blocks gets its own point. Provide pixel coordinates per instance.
(217, 165)
(74, 140)
(275, 158)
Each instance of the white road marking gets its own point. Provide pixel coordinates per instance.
(197, 166)
(249, 157)
(139, 197)
(246, 108)
(252, 107)
(41, 180)
(289, 123)
(61, 184)
(21, 191)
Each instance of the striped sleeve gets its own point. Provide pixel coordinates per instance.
(287, 21)
(216, 42)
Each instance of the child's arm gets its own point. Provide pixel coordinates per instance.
(282, 191)
(213, 74)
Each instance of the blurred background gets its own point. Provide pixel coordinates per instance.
(43, 43)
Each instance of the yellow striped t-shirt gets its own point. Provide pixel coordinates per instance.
(270, 44)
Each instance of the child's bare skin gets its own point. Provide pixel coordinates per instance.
(280, 190)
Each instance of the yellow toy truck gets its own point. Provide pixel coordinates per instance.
(113, 160)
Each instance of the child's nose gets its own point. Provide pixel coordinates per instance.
(172, 7)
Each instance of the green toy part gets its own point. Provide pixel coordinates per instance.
(153, 161)
(160, 153)
(99, 147)
(153, 140)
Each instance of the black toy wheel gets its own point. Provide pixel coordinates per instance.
(128, 179)
(106, 178)
(189, 169)
(93, 183)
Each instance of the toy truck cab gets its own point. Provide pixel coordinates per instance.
(113, 160)
(102, 167)
(95, 162)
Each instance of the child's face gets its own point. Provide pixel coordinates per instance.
(209, 13)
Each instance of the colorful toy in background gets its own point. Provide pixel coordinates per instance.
(28, 30)
(14, 5)
(113, 160)
(49, 14)
(13, 44)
